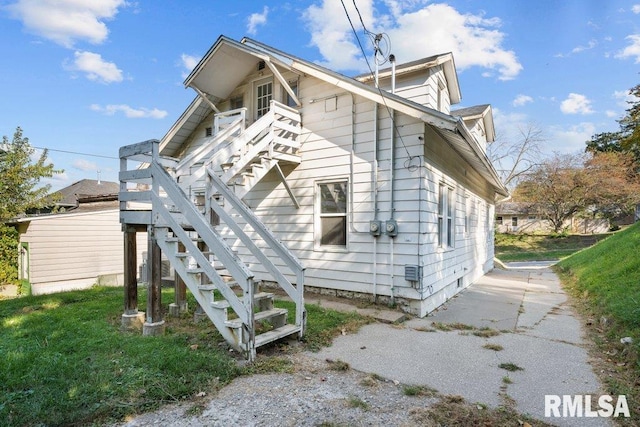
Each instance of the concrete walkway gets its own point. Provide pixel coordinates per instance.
(539, 333)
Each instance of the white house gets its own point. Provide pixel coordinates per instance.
(377, 191)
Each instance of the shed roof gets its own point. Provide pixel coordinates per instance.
(86, 188)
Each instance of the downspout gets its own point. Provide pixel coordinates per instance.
(375, 184)
(375, 199)
(392, 209)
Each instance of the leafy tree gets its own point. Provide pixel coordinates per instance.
(603, 183)
(20, 176)
(615, 183)
(627, 139)
(559, 187)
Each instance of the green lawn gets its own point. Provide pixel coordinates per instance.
(533, 247)
(65, 360)
(605, 280)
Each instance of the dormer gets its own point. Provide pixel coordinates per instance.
(479, 121)
(431, 81)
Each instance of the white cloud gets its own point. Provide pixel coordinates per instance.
(631, 51)
(416, 31)
(635, 8)
(129, 112)
(188, 62)
(333, 37)
(95, 68)
(572, 139)
(67, 21)
(576, 104)
(590, 45)
(257, 19)
(85, 165)
(611, 113)
(522, 100)
(625, 97)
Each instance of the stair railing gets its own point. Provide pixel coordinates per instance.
(217, 186)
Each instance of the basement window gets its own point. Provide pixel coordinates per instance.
(331, 214)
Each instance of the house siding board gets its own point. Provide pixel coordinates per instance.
(71, 250)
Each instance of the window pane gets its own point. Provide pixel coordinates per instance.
(334, 231)
(333, 198)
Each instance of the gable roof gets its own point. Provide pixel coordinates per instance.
(479, 112)
(228, 62)
(448, 66)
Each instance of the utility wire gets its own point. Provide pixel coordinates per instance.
(75, 152)
(355, 33)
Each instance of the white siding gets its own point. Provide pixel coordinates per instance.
(70, 251)
(338, 143)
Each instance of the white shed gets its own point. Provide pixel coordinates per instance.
(73, 250)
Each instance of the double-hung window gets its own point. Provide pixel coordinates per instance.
(446, 216)
(331, 212)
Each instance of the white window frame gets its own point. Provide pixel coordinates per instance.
(446, 216)
(263, 102)
(319, 215)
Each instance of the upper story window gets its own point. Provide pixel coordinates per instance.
(441, 95)
(264, 95)
(331, 214)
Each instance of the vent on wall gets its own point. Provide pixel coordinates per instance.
(261, 65)
(412, 273)
(208, 131)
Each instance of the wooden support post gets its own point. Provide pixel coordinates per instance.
(131, 318)
(179, 305)
(199, 315)
(154, 324)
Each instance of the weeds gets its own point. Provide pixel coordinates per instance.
(494, 347)
(356, 402)
(418, 390)
(511, 367)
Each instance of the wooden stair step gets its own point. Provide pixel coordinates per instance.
(276, 334)
(256, 298)
(259, 317)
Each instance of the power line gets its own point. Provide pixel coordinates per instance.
(364, 54)
(76, 152)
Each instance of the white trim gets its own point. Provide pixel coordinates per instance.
(317, 226)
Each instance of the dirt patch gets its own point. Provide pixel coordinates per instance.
(315, 393)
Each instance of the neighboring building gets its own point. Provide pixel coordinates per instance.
(378, 194)
(77, 247)
(522, 217)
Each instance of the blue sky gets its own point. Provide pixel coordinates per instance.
(83, 78)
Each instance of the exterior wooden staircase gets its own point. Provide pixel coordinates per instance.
(178, 199)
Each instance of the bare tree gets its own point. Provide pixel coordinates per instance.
(514, 158)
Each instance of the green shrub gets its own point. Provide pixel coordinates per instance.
(9, 240)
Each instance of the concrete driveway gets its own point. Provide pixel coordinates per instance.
(539, 333)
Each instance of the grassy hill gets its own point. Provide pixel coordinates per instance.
(605, 281)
